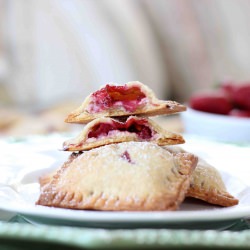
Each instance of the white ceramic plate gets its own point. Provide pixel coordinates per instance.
(23, 162)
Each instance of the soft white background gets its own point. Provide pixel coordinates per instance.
(53, 50)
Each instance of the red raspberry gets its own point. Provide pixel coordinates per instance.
(212, 102)
(238, 94)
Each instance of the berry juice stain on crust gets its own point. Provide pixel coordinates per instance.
(126, 156)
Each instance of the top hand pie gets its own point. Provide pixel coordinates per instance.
(133, 98)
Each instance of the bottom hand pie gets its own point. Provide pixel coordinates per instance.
(125, 176)
(207, 184)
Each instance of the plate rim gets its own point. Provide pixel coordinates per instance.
(53, 213)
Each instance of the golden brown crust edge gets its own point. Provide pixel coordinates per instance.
(213, 196)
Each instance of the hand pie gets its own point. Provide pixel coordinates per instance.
(104, 131)
(207, 184)
(129, 176)
(133, 98)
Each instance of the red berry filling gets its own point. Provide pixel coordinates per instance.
(140, 127)
(127, 97)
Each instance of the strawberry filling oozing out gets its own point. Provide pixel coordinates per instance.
(140, 127)
(127, 97)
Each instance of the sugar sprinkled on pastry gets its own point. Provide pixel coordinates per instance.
(112, 100)
(129, 176)
(207, 183)
(104, 131)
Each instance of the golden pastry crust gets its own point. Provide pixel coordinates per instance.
(148, 106)
(130, 176)
(104, 131)
(207, 183)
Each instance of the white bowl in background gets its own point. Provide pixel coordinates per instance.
(217, 127)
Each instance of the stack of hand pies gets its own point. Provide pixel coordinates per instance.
(124, 161)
